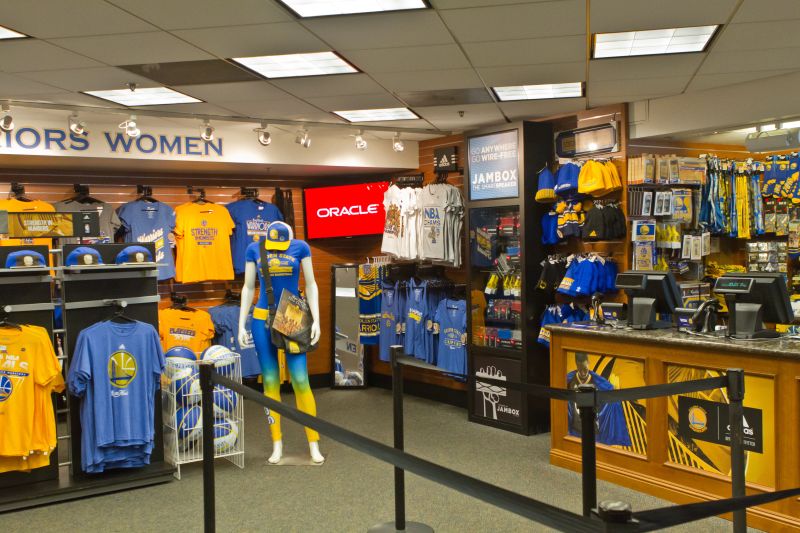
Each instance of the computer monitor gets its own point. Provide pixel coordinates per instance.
(752, 299)
(649, 292)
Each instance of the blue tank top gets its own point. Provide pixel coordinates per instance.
(416, 315)
(451, 315)
(390, 318)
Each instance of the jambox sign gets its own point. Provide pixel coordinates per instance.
(345, 210)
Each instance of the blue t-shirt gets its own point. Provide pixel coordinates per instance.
(451, 315)
(284, 269)
(252, 219)
(391, 315)
(116, 369)
(226, 326)
(151, 222)
(415, 342)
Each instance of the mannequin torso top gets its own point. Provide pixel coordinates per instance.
(284, 269)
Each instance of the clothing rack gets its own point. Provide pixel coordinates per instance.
(414, 180)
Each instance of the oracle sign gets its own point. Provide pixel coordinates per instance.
(345, 210)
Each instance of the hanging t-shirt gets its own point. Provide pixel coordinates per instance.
(393, 226)
(410, 211)
(12, 205)
(451, 318)
(181, 327)
(416, 319)
(202, 234)
(109, 221)
(116, 370)
(455, 211)
(391, 315)
(226, 327)
(251, 219)
(284, 269)
(151, 222)
(433, 200)
(369, 304)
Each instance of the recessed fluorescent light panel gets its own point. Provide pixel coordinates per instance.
(325, 8)
(791, 124)
(5, 33)
(377, 115)
(653, 42)
(539, 92)
(144, 96)
(295, 65)
(751, 129)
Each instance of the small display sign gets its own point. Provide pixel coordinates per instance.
(38, 225)
(707, 421)
(445, 159)
(493, 401)
(494, 166)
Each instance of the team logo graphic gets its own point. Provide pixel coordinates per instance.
(698, 419)
(6, 388)
(121, 369)
(204, 223)
(273, 234)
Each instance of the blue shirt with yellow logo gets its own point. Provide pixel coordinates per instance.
(284, 269)
(116, 369)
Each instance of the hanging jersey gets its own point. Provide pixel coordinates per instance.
(369, 304)
(251, 219)
(12, 205)
(451, 319)
(109, 221)
(179, 327)
(151, 222)
(393, 225)
(433, 200)
(416, 317)
(284, 270)
(226, 328)
(116, 370)
(202, 233)
(390, 319)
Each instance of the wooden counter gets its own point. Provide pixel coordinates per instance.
(672, 447)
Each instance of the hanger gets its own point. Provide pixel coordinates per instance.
(250, 193)
(201, 195)
(145, 193)
(5, 322)
(82, 195)
(179, 302)
(232, 298)
(119, 312)
(18, 192)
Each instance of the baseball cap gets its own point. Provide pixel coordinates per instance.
(84, 256)
(134, 254)
(279, 236)
(24, 259)
(547, 182)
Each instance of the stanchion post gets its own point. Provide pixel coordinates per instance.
(587, 407)
(736, 421)
(207, 395)
(399, 473)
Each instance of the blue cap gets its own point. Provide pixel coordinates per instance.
(279, 236)
(84, 256)
(134, 254)
(567, 179)
(25, 259)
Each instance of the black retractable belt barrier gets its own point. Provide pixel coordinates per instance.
(736, 421)
(586, 407)
(207, 395)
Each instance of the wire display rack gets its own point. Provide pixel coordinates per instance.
(182, 413)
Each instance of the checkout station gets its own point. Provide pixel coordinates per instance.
(677, 447)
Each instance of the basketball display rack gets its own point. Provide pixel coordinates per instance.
(182, 414)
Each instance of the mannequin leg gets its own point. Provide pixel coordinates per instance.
(305, 400)
(270, 374)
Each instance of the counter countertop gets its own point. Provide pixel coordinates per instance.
(771, 347)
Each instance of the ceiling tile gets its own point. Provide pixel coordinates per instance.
(760, 10)
(361, 101)
(76, 99)
(775, 34)
(631, 68)
(459, 4)
(702, 82)
(254, 40)
(527, 51)
(89, 79)
(430, 80)
(247, 91)
(192, 72)
(201, 108)
(336, 85)
(48, 19)
(16, 87)
(624, 15)
(381, 30)
(447, 117)
(542, 108)
(517, 21)
(29, 55)
(404, 59)
(751, 60)
(646, 87)
(610, 100)
(273, 109)
(414, 123)
(533, 74)
(446, 97)
(182, 14)
(133, 48)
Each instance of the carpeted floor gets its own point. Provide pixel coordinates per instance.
(351, 492)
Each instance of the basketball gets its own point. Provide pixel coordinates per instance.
(189, 423)
(223, 359)
(186, 385)
(178, 357)
(224, 401)
(226, 432)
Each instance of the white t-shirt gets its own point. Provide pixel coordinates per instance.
(455, 209)
(433, 213)
(410, 211)
(393, 226)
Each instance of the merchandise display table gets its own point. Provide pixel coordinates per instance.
(675, 447)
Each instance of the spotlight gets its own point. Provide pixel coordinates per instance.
(303, 138)
(7, 122)
(208, 132)
(397, 144)
(131, 130)
(264, 137)
(361, 143)
(76, 126)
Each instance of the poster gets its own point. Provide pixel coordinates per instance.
(494, 401)
(698, 426)
(494, 166)
(619, 424)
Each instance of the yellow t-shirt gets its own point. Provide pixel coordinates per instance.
(12, 205)
(193, 329)
(29, 371)
(202, 238)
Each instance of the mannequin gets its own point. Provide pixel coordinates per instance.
(287, 258)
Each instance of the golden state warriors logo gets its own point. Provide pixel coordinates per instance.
(121, 369)
(644, 230)
(6, 388)
(698, 419)
(273, 234)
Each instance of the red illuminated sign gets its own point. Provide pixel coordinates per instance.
(345, 210)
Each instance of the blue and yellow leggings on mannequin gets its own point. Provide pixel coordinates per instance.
(270, 372)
